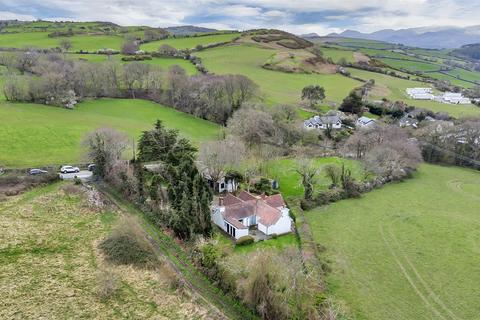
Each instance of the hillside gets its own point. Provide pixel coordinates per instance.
(188, 30)
(469, 51)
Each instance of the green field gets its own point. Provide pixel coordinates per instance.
(162, 62)
(336, 54)
(409, 250)
(89, 43)
(412, 66)
(190, 42)
(33, 134)
(278, 87)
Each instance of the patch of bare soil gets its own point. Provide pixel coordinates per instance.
(380, 91)
(360, 57)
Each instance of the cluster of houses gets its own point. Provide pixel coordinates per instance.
(447, 97)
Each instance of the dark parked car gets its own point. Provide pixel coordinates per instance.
(36, 171)
(91, 167)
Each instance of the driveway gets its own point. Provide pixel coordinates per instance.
(83, 174)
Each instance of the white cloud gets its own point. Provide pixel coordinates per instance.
(366, 15)
(6, 15)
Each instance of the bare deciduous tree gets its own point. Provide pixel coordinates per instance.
(308, 174)
(216, 157)
(105, 147)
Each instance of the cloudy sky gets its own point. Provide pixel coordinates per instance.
(321, 16)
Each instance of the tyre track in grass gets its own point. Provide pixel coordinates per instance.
(411, 281)
(224, 305)
(425, 285)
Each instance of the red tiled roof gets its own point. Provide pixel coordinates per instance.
(267, 214)
(275, 201)
(230, 199)
(240, 210)
(246, 205)
(245, 196)
(237, 224)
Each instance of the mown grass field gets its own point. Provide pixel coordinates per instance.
(278, 87)
(32, 134)
(190, 42)
(409, 250)
(51, 267)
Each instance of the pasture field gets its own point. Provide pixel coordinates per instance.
(412, 66)
(162, 62)
(33, 134)
(453, 80)
(337, 54)
(190, 42)
(409, 250)
(278, 87)
(465, 74)
(89, 43)
(394, 89)
(51, 266)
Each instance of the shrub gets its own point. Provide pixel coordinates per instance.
(245, 240)
(107, 284)
(77, 181)
(127, 245)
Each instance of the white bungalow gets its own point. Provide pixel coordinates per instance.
(318, 122)
(235, 215)
(365, 122)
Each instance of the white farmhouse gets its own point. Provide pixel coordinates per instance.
(235, 215)
(318, 122)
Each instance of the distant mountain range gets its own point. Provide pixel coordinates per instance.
(426, 37)
(186, 30)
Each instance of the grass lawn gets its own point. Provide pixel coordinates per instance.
(33, 134)
(283, 170)
(278, 87)
(51, 267)
(279, 243)
(409, 250)
(190, 42)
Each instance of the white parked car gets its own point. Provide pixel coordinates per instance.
(69, 169)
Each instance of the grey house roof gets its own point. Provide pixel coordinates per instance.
(319, 121)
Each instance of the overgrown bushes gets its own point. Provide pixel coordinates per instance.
(127, 245)
(245, 240)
